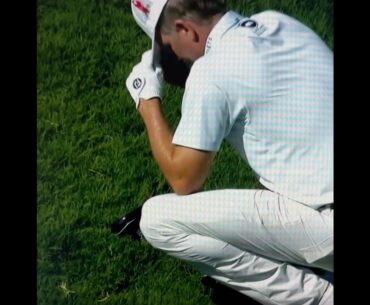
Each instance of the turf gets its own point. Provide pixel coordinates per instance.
(94, 161)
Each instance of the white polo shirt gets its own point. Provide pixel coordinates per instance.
(265, 84)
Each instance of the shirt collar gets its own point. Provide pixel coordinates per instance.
(227, 21)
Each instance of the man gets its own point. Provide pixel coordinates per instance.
(264, 84)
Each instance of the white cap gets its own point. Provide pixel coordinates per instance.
(146, 14)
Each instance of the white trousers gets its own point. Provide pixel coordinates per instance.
(254, 241)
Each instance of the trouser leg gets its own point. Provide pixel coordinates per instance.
(244, 239)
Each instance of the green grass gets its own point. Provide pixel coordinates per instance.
(94, 161)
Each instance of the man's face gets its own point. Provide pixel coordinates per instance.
(183, 48)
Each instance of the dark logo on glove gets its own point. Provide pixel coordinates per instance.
(249, 24)
(137, 83)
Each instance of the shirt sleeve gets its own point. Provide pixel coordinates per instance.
(205, 115)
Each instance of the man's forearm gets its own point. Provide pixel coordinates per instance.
(184, 168)
(160, 136)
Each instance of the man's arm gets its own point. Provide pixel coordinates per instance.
(185, 168)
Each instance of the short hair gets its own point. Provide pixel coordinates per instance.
(197, 10)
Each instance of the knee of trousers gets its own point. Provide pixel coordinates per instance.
(154, 223)
(166, 232)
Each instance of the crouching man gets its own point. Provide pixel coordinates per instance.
(264, 84)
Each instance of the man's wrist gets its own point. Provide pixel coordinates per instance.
(148, 105)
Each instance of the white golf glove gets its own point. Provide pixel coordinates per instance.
(144, 81)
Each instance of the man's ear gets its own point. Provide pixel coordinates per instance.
(187, 29)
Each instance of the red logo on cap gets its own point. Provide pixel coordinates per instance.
(141, 7)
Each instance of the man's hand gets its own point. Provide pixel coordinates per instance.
(145, 81)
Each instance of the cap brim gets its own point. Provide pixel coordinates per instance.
(156, 48)
(148, 23)
(155, 14)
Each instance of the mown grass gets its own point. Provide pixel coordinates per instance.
(94, 161)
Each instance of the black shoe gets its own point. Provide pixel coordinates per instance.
(128, 225)
(327, 275)
(223, 295)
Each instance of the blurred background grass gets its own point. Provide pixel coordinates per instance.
(94, 161)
